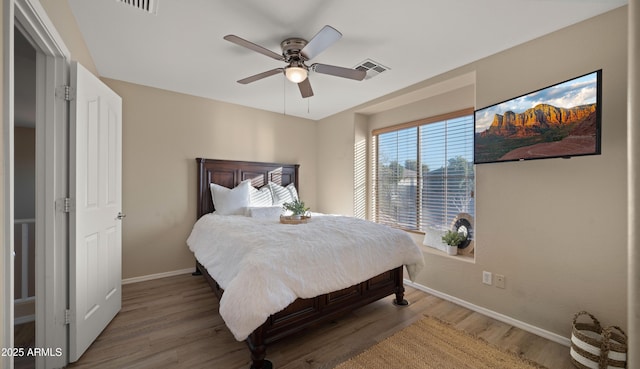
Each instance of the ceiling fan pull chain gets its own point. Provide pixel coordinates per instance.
(284, 96)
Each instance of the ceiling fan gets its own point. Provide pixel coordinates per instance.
(295, 52)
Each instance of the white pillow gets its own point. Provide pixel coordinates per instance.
(264, 212)
(261, 197)
(231, 201)
(283, 194)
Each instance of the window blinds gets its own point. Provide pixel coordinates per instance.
(424, 173)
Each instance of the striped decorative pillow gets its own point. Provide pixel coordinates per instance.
(283, 194)
(261, 197)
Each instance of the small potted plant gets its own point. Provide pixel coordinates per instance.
(297, 208)
(453, 239)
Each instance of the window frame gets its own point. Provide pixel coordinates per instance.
(419, 176)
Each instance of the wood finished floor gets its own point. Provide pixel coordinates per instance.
(174, 323)
(25, 337)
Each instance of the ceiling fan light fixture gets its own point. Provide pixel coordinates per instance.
(295, 74)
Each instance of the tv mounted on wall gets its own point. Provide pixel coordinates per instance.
(559, 121)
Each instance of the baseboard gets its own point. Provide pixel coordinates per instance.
(492, 314)
(151, 277)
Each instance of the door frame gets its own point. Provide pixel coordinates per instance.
(52, 65)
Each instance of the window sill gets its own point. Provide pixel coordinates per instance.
(433, 251)
(419, 237)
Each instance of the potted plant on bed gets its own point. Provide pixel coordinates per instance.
(297, 208)
(453, 239)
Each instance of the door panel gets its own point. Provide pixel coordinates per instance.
(96, 196)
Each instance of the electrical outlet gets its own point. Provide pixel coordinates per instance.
(500, 281)
(486, 278)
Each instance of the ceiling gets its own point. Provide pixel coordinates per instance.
(181, 47)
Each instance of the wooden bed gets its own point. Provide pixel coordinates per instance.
(301, 313)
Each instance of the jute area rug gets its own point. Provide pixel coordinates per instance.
(430, 343)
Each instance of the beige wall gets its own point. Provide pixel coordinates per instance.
(449, 100)
(163, 133)
(555, 228)
(335, 158)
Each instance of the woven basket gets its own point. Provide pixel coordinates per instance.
(594, 347)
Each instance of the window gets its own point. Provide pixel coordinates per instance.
(423, 172)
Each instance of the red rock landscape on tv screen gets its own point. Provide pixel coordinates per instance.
(543, 130)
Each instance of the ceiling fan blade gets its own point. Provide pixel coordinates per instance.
(250, 45)
(320, 42)
(305, 88)
(262, 75)
(339, 71)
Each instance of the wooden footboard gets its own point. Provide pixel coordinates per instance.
(303, 313)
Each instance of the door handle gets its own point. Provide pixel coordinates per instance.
(120, 216)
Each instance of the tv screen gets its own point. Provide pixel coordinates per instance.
(562, 120)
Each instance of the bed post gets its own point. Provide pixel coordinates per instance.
(258, 349)
(201, 187)
(399, 288)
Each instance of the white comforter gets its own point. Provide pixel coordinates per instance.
(263, 265)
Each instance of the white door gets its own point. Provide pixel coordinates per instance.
(95, 249)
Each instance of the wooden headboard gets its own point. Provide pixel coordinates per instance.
(230, 173)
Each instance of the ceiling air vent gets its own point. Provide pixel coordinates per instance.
(372, 68)
(149, 6)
